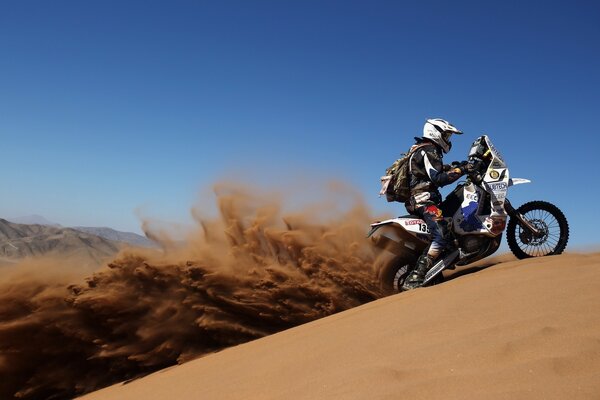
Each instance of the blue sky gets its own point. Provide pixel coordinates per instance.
(108, 107)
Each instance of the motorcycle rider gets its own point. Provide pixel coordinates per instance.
(427, 174)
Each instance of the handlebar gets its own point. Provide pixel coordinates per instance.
(478, 169)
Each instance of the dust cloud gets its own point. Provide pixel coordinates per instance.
(253, 270)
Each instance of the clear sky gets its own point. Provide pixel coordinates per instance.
(108, 107)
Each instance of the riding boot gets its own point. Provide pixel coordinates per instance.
(417, 276)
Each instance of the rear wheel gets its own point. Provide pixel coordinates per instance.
(393, 272)
(551, 224)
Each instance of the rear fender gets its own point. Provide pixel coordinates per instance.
(400, 235)
(379, 224)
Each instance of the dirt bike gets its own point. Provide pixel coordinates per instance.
(476, 211)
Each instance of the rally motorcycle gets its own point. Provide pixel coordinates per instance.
(477, 212)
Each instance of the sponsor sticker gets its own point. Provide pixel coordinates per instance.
(422, 226)
(499, 186)
(472, 196)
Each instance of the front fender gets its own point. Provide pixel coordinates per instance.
(517, 181)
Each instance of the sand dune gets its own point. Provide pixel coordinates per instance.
(525, 329)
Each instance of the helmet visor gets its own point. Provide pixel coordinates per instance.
(446, 136)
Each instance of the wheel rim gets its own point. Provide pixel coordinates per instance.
(546, 241)
(400, 276)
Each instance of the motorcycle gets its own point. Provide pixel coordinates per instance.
(477, 212)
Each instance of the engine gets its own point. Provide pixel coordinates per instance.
(473, 243)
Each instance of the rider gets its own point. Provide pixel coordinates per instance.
(428, 173)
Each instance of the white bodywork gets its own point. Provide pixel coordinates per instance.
(468, 219)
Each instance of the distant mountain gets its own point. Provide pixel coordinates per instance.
(20, 240)
(118, 236)
(33, 220)
(107, 233)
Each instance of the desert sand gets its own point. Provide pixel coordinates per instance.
(526, 329)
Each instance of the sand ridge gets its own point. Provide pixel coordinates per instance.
(518, 330)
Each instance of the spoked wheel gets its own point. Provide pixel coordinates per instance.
(393, 272)
(552, 231)
(399, 277)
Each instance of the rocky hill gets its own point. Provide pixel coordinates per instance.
(118, 236)
(18, 241)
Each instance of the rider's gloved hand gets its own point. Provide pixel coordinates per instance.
(451, 166)
(466, 167)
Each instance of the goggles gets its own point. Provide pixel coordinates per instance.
(445, 134)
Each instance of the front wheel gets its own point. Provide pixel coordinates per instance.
(552, 227)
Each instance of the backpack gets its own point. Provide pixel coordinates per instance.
(395, 184)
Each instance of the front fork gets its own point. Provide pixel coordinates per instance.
(521, 220)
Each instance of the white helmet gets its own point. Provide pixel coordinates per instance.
(439, 131)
